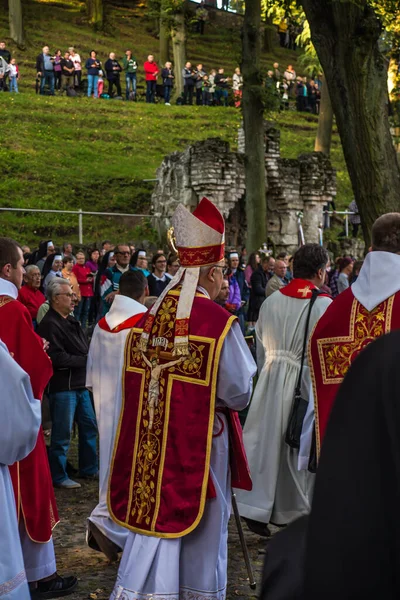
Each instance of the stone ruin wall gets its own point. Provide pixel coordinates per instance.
(211, 169)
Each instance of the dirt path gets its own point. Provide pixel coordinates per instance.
(96, 576)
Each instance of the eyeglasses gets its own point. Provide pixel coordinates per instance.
(160, 262)
(124, 253)
(69, 294)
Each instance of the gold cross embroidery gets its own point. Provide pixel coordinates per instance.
(304, 291)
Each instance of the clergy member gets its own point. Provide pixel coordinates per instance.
(170, 481)
(21, 418)
(30, 294)
(365, 311)
(33, 489)
(281, 492)
(55, 267)
(103, 376)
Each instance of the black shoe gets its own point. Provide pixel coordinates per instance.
(54, 588)
(93, 477)
(258, 527)
(98, 541)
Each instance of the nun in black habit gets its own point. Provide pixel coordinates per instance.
(352, 536)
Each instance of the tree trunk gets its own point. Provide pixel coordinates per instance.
(178, 35)
(269, 34)
(164, 35)
(95, 12)
(325, 122)
(16, 22)
(345, 35)
(253, 118)
(164, 44)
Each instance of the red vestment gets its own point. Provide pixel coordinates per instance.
(31, 477)
(160, 469)
(32, 299)
(338, 337)
(128, 324)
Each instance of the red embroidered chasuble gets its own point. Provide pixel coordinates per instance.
(339, 336)
(161, 462)
(31, 477)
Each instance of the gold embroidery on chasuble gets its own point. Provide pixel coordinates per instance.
(5, 300)
(159, 369)
(337, 354)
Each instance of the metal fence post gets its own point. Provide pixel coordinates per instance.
(346, 224)
(80, 218)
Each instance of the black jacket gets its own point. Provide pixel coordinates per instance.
(156, 287)
(67, 64)
(6, 54)
(258, 282)
(109, 67)
(68, 351)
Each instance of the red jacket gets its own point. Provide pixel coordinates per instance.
(85, 285)
(151, 70)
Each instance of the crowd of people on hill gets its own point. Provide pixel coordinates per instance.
(288, 86)
(62, 72)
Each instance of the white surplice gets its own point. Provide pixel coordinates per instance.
(19, 428)
(281, 492)
(195, 566)
(104, 377)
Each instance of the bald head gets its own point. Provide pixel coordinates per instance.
(386, 233)
(280, 268)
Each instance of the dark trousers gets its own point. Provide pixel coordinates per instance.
(301, 102)
(167, 93)
(221, 95)
(78, 77)
(57, 75)
(199, 96)
(47, 79)
(355, 228)
(151, 88)
(282, 38)
(117, 83)
(188, 94)
(206, 98)
(82, 311)
(200, 26)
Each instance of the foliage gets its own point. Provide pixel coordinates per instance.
(67, 153)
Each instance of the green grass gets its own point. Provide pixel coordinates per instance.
(66, 153)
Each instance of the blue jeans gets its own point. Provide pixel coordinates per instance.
(47, 77)
(206, 98)
(92, 85)
(150, 91)
(14, 84)
(222, 93)
(81, 312)
(167, 93)
(64, 406)
(130, 80)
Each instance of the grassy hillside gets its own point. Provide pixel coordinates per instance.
(69, 153)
